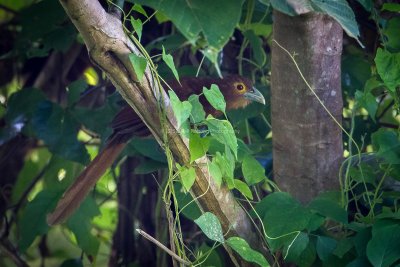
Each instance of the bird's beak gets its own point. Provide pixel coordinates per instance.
(254, 95)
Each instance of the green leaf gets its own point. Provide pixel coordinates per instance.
(161, 17)
(259, 29)
(35, 28)
(74, 91)
(373, 83)
(193, 18)
(215, 97)
(139, 65)
(282, 214)
(361, 240)
(252, 170)
(215, 146)
(149, 166)
(391, 7)
(17, 4)
(139, 9)
(342, 13)
(80, 225)
(359, 262)
(325, 247)
(226, 164)
(210, 226)
(296, 248)
(212, 55)
(243, 150)
(308, 256)
(365, 173)
(181, 109)
(137, 27)
(230, 163)
(367, 101)
(383, 248)
(388, 65)
(59, 39)
(198, 146)
(23, 104)
(223, 132)
(343, 247)
(97, 120)
(59, 165)
(367, 4)
(186, 204)
(256, 47)
(391, 32)
(188, 176)
(185, 129)
(148, 147)
(328, 204)
(387, 144)
(31, 169)
(316, 221)
(215, 172)
(54, 32)
(59, 129)
(286, 7)
(355, 71)
(246, 252)
(213, 257)
(243, 188)
(33, 220)
(198, 114)
(167, 58)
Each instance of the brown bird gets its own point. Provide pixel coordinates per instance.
(238, 92)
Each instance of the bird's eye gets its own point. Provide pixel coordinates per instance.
(240, 87)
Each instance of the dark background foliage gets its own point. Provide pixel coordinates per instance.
(56, 108)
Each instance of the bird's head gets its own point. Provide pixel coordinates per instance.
(239, 92)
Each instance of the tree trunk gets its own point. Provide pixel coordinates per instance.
(307, 142)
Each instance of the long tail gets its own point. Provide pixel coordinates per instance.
(77, 192)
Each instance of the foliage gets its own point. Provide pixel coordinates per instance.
(193, 18)
(339, 10)
(243, 249)
(68, 121)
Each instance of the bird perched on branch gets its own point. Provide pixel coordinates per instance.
(238, 92)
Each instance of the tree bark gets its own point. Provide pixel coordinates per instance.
(307, 142)
(109, 47)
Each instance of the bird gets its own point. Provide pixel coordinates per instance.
(237, 90)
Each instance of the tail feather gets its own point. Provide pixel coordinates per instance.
(81, 187)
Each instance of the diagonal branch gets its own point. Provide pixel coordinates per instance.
(109, 47)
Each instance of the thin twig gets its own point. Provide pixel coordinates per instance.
(157, 243)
